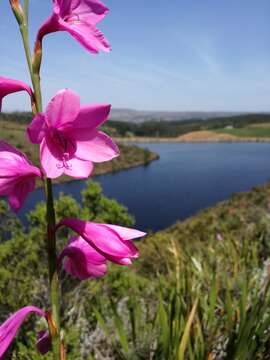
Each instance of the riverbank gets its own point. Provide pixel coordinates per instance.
(204, 136)
(245, 215)
(130, 157)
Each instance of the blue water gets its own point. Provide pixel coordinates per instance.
(187, 178)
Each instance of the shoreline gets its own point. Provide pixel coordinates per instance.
(98, 171)
(192, 141)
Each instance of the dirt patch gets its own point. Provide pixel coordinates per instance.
(205, 136)
(195, 137)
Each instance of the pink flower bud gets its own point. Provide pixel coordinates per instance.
(10, 327)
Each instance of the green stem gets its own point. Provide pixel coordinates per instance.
(51, 244)
(26, 5)
(53, 276)
(51, 240)
(34, 76)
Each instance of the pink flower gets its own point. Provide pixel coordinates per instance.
(17, 175)
(9, 328)
(79, 18)
(83, 261)
(9, 86)
(70, 142)
(44, 342)
(111, 241)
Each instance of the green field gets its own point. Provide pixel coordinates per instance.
(250, 131)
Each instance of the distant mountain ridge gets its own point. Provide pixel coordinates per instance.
(138, 116)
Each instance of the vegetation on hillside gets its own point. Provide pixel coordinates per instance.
(168, 129)
(162, 128)
(200, 289)
(248, 132)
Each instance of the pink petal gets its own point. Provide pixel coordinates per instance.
(50, 164)
(37, 129)
(127, 233)
(17, 175)
(88, 36)
(92, 11)
(11, 165)
(7, 186)
(62, 109)
(119, 261)
(44, 342)
(49, 26)
(9, 328)
(97, 147)
(79, 169)
(79, 18)
(8, 148)
(19, 194)
(89, 118)
(104, 239)
(82, 260)
(9, 86)
(14, 162)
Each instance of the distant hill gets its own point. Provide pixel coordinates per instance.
(137, 116)
(174, 128)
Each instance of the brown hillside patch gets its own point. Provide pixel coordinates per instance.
(205, 135)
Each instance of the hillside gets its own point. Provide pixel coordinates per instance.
(200, 289)
(224, 136)
(137, 116)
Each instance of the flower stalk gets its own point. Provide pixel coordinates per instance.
(70, 143)
(57, 344)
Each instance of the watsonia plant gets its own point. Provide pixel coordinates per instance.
(69, 143)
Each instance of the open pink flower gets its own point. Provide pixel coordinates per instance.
(82, 260)
(9, 86)
(17, 175)
(70, 141)
(10, 327)
(111, 241)
(79, 18)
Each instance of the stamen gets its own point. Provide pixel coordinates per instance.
(73, 19)
(64, 163)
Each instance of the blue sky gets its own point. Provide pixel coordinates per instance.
(167, 55)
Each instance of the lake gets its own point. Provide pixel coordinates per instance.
(186, 179)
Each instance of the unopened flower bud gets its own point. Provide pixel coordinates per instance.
(17, 10)
(37, 57)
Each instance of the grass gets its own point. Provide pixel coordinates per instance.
(260, 125)
(199, 291)
(249, 132)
